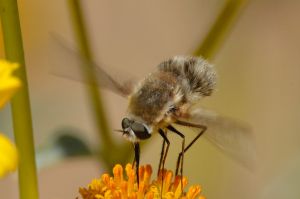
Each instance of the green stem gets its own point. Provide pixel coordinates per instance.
(21, 112)
(220, 29)
(93, 90)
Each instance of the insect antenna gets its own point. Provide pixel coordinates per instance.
(121, 131)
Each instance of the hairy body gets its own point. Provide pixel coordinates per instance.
(178, 83)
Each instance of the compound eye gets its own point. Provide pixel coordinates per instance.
(126, 123)
(140, 131)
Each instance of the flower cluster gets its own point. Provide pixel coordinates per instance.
(8, 86)
(118, 187)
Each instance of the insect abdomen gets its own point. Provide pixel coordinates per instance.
(198, 74)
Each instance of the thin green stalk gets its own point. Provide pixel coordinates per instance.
(220, 29)
(20, 104)
(93, 90)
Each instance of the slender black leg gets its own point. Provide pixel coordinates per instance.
(161, 155)
(163, 135)
(137, 161)
(203, 129)
(162, 167)
(171, 128)
(133, 162)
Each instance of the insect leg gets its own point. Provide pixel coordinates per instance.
(166, 140)
(133, 162)
(171, 128)
(199, 126)
(163, 135)
(161, 156)
(137, 160)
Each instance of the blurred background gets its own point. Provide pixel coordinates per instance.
(258, 82)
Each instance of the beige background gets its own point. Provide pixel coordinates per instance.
(258, 69)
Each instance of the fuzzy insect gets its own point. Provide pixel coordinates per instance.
(166, 97)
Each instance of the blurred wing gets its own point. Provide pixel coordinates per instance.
(232, 137)
(68, 63)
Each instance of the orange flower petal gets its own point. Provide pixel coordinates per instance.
(118, 187)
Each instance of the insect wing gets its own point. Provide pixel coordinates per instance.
(68, 63)
(232, 137)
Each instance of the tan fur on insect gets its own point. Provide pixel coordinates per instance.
(177, 84)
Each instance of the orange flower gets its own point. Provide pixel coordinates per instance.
(118, 187)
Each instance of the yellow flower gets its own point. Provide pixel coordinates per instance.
(118, 187)
(8, 156)
(8, 83)
(8, 86)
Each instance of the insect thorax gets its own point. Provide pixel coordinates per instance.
(153, 97)
(196, 72)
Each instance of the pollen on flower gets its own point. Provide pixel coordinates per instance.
(125, 186)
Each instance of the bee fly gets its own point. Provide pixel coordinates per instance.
(166, 97)
(163, 98)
